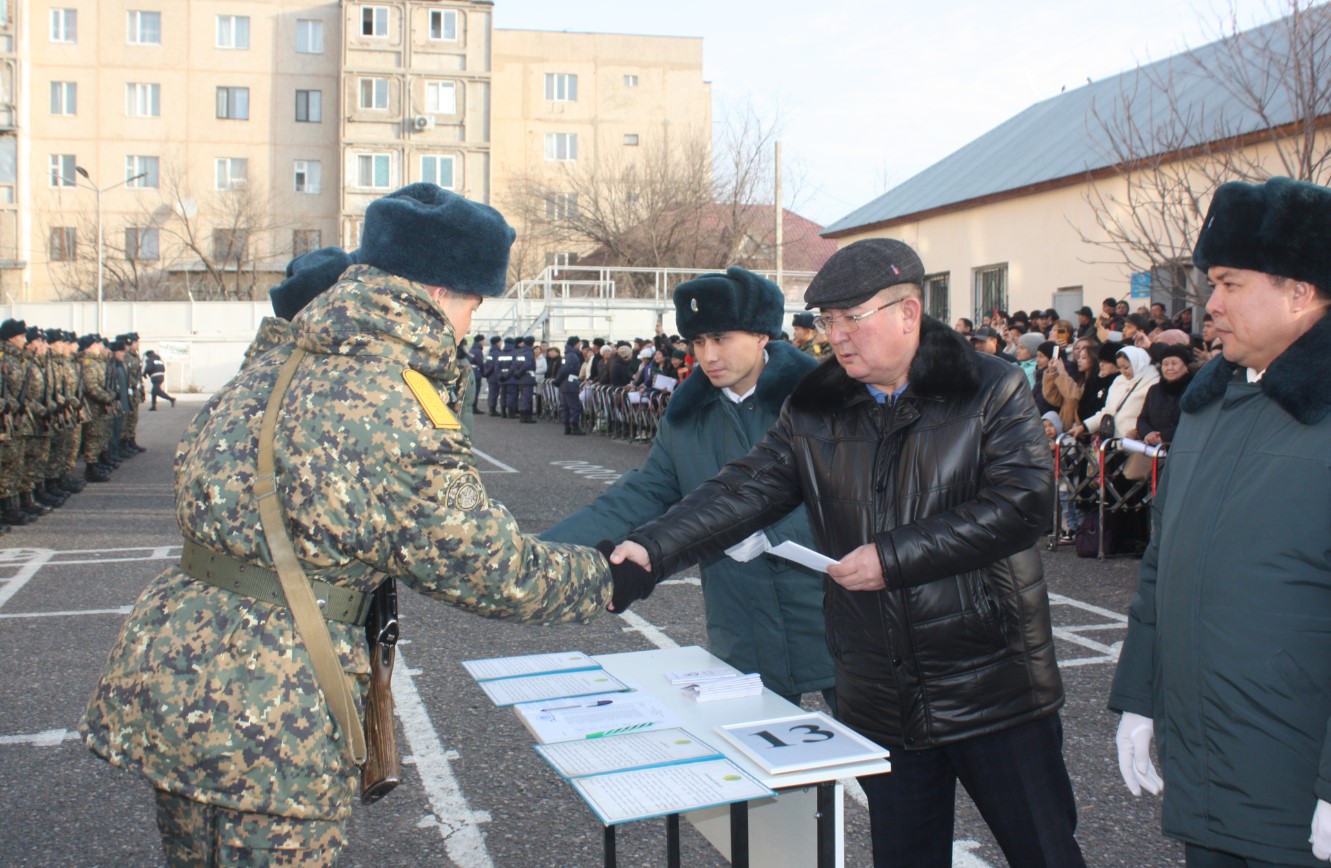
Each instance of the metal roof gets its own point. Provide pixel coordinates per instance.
(1061, 137)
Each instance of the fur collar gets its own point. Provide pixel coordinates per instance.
(1296, 380)
(785, 367)
(944, 365)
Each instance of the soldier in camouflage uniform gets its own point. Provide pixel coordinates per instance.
(67, 439)
(210, 694)
(129, 444)
(35, 424)
(13, 334)
(99, 402)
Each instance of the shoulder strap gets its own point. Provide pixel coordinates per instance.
(310, 622)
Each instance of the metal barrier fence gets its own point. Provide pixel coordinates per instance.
(611, 411)
(1093, 477)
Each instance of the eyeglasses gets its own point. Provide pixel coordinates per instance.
(849, 324)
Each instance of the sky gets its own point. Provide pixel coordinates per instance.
(866, 93)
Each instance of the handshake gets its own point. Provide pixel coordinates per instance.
(632, 582)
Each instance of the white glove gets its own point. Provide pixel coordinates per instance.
(1134, 756)
(1321, 836)
(750, 547)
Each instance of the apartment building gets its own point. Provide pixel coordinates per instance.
(212, 140)
(567, 102)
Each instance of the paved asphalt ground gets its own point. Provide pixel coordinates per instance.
(474, 793)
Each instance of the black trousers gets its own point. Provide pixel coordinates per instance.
(1016, 778)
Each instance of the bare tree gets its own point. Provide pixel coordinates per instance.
(675, 202)
(1249, 105)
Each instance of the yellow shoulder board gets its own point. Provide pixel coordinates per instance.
(433, 405)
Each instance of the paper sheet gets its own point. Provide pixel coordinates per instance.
(595, 716)
(805, 557)
(560, 685)
(635, 750)
(528, 664)
(637, 795)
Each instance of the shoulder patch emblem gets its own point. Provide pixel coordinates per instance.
(431, 403)
(466, 494)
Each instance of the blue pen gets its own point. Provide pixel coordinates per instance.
(597, 704)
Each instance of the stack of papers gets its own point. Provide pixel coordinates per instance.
(725, 688)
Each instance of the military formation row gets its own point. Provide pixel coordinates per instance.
(63, 397)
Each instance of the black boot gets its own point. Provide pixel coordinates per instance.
(134, 444)
(97, 473)
(568, 429)
(125, 451)
(527, 419)
(72, 485)
(31, 506)
(578, 432)
(106, 460)
(45, 498)
(14, 514)
(494, 412)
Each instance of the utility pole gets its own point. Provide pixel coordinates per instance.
(101, 244)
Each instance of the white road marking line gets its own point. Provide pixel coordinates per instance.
(649, 631)
(458, 823)
(70, 613)
(503, 468)
(16, 582)
(50, 738)
(1060, 600)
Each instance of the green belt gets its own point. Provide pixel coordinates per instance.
(225, 572)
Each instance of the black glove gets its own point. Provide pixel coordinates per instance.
(632, 582)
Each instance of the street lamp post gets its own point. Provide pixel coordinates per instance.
(101, 257)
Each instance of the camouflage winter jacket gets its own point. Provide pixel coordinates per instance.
(211, 695)
(35, 418)
(98, 398)
(134, 374)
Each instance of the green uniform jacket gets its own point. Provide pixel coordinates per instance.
(97, 397)
(1229, 636)
(211, 695)
(763, 616)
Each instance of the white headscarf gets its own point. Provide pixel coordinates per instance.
(1138, 358)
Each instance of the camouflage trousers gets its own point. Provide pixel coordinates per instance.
(96, 435)
(64, 449)
(206, 836)
(36, 452)
(11, 466)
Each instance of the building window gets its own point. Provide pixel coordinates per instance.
(145, 166)
(561, 206)
(142, 244)
(441, 97)
(935, 296)
(230, 172)
(64, 245)
(62, 171)
(144, 28)
(630, 81)
(437, 169)
(444, 24)
(64, 25)
(233, 103)
(64, 98)
(561, 146)
(374, 171)
(990, 290)
(307, 176)
(231, 245)
(561, 86)
(309, 106)
(233, 31)
(309, 36)
(631, 139)
(374, 21)
(374, 94)
(143, 100)
(305, 241)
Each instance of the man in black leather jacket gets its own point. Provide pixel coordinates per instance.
(924, 469)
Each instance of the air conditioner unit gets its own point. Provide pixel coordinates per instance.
(422, 122)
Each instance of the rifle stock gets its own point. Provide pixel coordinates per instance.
(379, 774)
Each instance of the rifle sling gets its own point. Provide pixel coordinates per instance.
(310, 624)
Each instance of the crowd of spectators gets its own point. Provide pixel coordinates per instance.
(1116, 374)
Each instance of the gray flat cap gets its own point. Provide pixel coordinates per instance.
(857, 271)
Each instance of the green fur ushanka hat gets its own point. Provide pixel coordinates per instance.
(1281, 227)
(432, 236)
(738, 300)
